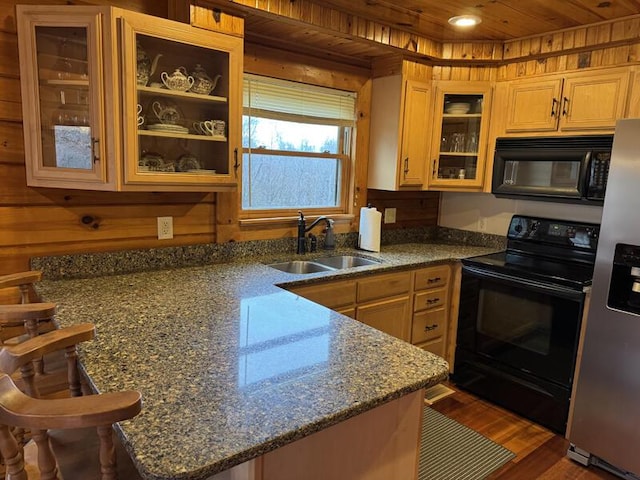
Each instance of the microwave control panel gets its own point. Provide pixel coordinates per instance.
(598, 173)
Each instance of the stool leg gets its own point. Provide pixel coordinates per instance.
(12, 455)
(107, 453)
(46, 460)
(73, 375)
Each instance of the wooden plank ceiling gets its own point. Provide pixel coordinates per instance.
(360, 31)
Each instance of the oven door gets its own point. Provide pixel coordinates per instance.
(524, 325)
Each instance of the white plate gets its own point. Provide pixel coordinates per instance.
(162, 127)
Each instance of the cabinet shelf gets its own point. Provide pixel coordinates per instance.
(183, 95)
(67, 83)
(190, 136)
(459, 154)
(463, 115)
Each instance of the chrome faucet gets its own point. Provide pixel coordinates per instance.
(329, 239)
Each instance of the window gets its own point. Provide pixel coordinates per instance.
(296, 142)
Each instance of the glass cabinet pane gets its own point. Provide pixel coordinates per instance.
(460, 136)
(182, 109)
(64, 97)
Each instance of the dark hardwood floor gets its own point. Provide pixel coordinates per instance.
(540, 453)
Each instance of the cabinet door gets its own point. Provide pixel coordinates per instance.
(460, 135)
(389, 316)
(415, 140)
(594, 101)
(533, 106)
(64, 95)
(177, 138)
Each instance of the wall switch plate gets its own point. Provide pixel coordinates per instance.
(165, 228)
(389, 215)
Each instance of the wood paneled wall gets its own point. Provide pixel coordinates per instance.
(39, 221)
(414, 209)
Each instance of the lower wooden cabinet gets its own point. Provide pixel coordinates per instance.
(413, 305)
(431, 309)
(389, 316)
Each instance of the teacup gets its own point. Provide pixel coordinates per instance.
(204, 128)
(140, 116)
(218, 127)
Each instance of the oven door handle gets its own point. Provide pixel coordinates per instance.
(528, 284)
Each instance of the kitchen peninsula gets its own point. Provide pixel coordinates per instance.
(234, 368)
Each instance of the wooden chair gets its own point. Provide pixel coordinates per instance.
(24, 282)
(27, 318)
(40, 415)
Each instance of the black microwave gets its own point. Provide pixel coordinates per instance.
(560, 169)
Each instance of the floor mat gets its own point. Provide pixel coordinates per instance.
(451, 451)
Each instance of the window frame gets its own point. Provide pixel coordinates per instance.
(345, 154)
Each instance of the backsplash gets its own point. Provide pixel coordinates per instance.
(129, 261)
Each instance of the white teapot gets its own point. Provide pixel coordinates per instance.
(178, 80)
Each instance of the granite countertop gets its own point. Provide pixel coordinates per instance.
(232, 366)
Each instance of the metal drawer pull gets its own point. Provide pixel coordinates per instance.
(432, 300)
(433, 280)
(428, 328)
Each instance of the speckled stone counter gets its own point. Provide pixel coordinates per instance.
(232, 366)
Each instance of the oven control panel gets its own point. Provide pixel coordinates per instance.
(554, 232)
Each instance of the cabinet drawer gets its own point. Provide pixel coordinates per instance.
(428, 325)
(432, 277)
(436, 347)
(332, 295)
(430, 299)
(383, 286)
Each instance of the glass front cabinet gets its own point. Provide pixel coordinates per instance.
(116, 100)
(461, 131)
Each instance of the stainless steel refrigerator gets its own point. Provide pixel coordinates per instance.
(605, 425)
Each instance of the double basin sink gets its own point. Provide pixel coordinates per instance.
(323, 264)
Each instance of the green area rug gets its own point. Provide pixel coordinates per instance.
(450, 451)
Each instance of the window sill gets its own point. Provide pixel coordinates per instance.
(290, 221)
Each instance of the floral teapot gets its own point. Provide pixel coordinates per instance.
(202, 83)
(146, 67)
(178, 80)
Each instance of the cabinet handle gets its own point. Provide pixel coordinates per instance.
(565, 104)
(433, 280)
(433, 173)
(95, 149)
(236, 165)
(406, 166)
(554, 104)
(432, 300)
(428, 328)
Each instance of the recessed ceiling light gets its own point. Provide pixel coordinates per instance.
(465, 20)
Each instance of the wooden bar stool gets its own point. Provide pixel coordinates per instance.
(29, 318)
(21, 411)
(23, 281)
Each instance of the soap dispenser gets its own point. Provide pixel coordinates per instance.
(329, 236)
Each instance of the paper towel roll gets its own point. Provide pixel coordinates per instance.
(370, 222)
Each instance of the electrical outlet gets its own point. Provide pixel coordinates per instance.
(389, 215)
(482, 224)
(165, 228)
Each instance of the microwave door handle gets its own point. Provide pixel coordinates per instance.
(527, 284)
(585, 172)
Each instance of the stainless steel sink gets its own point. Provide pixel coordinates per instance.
(323, 264)
(345, 261)
(300, 266)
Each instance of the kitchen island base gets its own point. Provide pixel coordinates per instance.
(379, 444)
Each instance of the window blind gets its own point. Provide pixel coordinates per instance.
(281, 99)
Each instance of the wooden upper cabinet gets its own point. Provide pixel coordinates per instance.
(399, 139)
(460, 133)
(571, 102)
(93, 121)
(533, 106)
